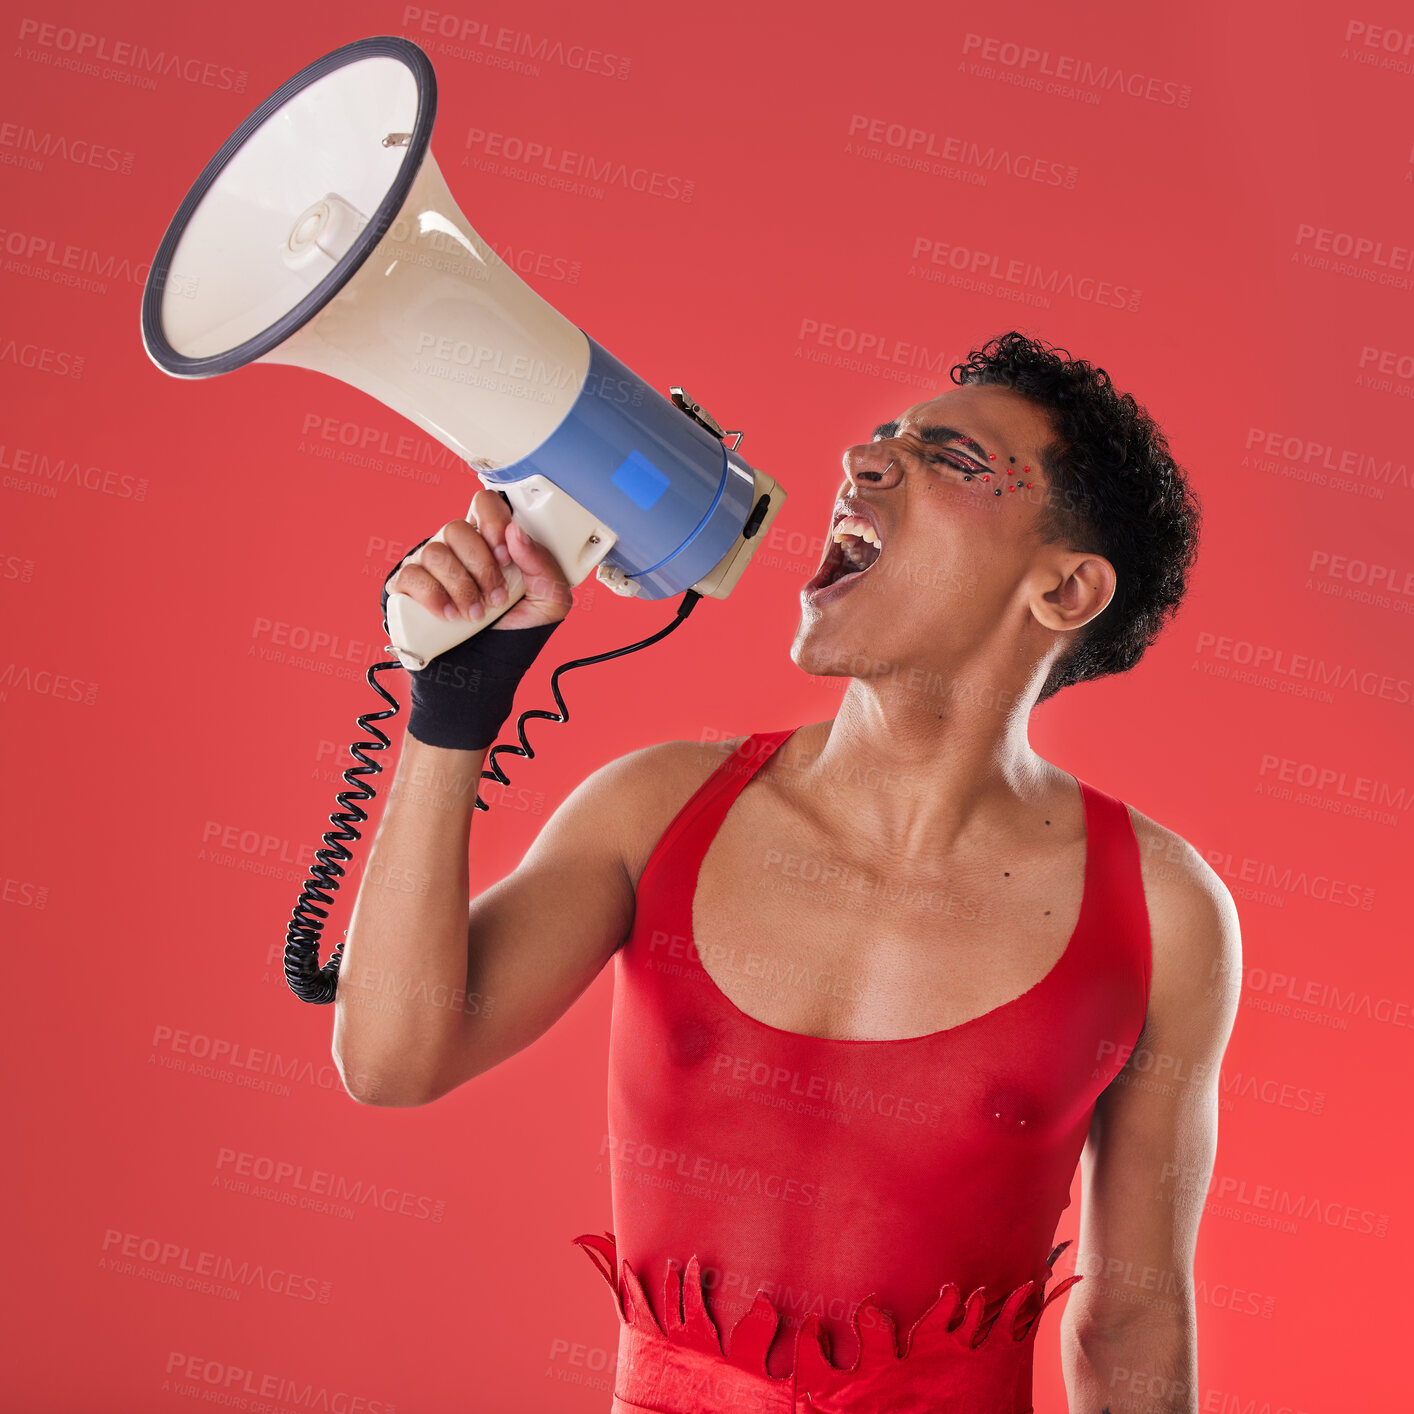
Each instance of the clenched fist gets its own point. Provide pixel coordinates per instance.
(458, 579)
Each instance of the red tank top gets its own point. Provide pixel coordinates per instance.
(812, 1172)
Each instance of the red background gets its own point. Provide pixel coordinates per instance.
(152, 527)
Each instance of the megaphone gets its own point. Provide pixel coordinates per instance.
(323, 235)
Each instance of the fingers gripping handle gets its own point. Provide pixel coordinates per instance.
(577, 540)
(418, 635)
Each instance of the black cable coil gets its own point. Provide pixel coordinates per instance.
(308, 980)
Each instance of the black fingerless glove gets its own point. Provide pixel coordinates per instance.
(462, 698)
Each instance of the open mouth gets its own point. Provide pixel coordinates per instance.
(854, 549)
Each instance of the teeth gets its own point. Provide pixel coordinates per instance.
(852, 525)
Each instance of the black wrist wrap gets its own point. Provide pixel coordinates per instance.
(462, 698)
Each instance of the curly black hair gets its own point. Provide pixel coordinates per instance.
(1114, 488)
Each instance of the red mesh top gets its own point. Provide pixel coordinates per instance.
(824, 1171)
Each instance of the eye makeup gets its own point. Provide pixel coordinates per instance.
(939, 436)
(951, 456)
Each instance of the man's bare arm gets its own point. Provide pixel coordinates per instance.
(403, 976)
(436, 987)
(1129, 1330)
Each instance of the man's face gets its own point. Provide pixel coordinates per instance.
(957, 558)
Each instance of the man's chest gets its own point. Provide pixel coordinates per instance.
(825, 937)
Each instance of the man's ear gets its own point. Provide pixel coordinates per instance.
(1074, 589)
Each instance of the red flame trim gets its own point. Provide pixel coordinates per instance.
(947, 1328)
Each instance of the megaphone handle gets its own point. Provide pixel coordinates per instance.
(419, 636)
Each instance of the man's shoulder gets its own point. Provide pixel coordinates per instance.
(665, 766)
(1174, 869)
(668, 763)
(654, 782)
(1193, 920)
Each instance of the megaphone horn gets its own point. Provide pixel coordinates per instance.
(323, 235)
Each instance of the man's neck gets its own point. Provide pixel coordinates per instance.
(918, 772)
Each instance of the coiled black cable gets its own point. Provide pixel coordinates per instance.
(307, 979)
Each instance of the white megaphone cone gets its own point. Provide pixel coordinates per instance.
(322, 235)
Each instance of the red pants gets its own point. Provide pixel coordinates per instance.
(951, 1363)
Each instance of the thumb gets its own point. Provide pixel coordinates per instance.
(545, 582)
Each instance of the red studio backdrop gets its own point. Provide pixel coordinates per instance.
(804, 215)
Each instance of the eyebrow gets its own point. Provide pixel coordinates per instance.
(938, 435)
